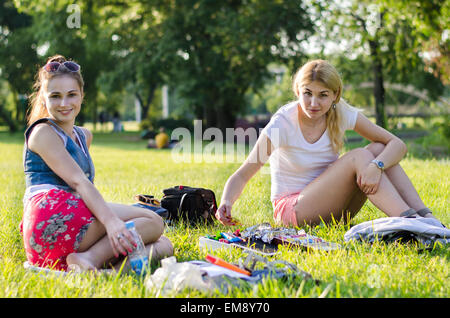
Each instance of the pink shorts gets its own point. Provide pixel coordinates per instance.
(53, 225)
(284, 211)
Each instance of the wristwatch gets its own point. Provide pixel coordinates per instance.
(379, 164)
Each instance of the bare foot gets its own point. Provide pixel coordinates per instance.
(77, 263)
(121, 266)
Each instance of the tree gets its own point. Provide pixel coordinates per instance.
(217, 50)
(85, 42)
(429, 21)
(387, 34)
(135, 30)
(18, 59)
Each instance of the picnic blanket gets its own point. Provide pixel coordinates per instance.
(427, 231)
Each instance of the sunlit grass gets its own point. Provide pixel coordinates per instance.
(124, 167)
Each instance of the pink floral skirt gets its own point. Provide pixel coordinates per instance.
(53, 226)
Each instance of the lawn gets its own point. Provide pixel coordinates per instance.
(124, 167)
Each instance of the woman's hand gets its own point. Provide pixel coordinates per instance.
(369, 180)
(223, 214)
(119, 236)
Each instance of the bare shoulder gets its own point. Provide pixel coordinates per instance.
(88, 134)
(43, 136)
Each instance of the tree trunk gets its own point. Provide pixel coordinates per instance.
(145, 107)
(378, 87)
(225, 116)
(6, 116)
(210, 112)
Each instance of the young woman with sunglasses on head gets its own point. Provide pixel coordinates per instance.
(309, 181)
(66, 222)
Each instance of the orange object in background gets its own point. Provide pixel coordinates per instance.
(162, 140)
(220, 262)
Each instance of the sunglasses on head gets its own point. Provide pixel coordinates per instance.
(54, 66)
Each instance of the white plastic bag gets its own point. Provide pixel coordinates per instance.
(173, 276)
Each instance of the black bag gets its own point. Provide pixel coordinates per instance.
(193, 205)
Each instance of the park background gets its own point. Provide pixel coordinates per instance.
(230, 64)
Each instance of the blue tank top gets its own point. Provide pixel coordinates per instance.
(36, 170)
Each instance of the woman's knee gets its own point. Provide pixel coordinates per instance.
(157, 223)
(165, 247)
(358, 155)
(375, 148)
(160, 249)
(150, 228)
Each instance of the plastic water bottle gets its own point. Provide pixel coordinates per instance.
(138, 257)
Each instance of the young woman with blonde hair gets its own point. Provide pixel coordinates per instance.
(309, 181)
(66, 222)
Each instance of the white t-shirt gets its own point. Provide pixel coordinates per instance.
(294, 163)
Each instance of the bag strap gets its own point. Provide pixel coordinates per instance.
(181, 202)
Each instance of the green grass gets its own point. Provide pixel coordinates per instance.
(124, 167)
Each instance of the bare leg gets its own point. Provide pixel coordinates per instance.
(95, 248)
(331, 193)
(357, 201)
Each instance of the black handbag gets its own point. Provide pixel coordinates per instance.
(193, 205)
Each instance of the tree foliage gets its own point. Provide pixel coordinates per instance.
(391, 34)
(217, 50)
(18, 59)
(214, 54)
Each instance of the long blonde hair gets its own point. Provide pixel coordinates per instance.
(324, 72)
(37, 108)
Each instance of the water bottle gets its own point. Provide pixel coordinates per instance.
(138, 257)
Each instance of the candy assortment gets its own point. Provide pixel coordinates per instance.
(288, 236)
(265, 237)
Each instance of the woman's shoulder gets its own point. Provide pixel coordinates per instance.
(41, 130)
(349, 114)
(287, 109)
(42, 134)
(282, 125)
(87, 133)
(286, 114)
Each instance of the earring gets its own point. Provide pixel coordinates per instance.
(333, 105)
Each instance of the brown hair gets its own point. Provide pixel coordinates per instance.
(322, 71)
(37, 108)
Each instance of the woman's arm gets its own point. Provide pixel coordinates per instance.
(395, 148)
(236, 183)
(394, 151)
(45, 142)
